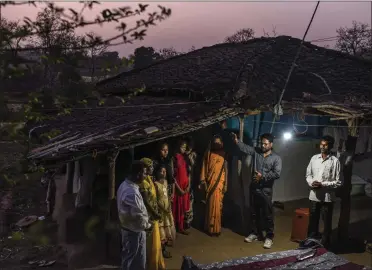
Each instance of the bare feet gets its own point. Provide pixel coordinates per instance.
(169, 243)
(214, 234)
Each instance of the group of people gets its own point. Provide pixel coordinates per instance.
(323, 176)
(156, 201)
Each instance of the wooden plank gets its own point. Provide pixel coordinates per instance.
(112, 209)
(344, 219)
(70, 177)
(240, 169)
(252, 112)
(350, 145)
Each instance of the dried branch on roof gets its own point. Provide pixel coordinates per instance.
(335, 108)
(129, 127)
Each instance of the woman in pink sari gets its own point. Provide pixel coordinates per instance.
(181, 201)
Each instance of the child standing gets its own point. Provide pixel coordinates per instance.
(166, 224)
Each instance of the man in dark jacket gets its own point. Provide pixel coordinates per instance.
(267, 169)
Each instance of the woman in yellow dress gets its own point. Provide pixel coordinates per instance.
(154, 255)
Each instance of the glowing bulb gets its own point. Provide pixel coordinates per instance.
(287, 136)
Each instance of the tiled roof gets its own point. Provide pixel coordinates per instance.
(125, 126)
(262, 63)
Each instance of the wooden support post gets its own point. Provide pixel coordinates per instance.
(70, 170)
(65, 234)
(241, 135)
(241, 127)
(240, 174)
(132, 156)
(51, 194)
(112, 181)
(344, 219)
(112, 206)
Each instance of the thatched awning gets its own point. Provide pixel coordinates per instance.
(137, 122)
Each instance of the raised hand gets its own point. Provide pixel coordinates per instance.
(234, 137)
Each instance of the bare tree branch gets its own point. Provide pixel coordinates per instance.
(170, 52)
(71, 20)
(241, 35)
(273, 32)
(355, 40)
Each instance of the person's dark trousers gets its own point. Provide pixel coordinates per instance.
(316, 208)
(262, 212)
(133, 253)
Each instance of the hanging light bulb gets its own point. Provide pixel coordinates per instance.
(287, 136)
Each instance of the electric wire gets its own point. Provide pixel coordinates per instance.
(293, 65)
(299, 120)
(137, 106)
(313, 125)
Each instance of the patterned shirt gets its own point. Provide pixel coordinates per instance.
(270, 166)
(326, 171)
(132, 211)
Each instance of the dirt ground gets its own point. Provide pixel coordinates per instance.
(39, 242)
(204, 249)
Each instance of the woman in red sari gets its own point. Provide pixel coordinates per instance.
(181, 201)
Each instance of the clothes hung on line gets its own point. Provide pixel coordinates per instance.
(339, 134)
(363, 142)
(369, 147)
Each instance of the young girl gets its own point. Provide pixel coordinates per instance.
(166, 224)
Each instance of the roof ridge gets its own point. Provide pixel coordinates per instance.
(328, 50)
(136, 70)
(219, 45)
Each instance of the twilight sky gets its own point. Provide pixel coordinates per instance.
(207, 23)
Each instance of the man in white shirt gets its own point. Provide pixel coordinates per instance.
(323, 177)
(134, 220)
